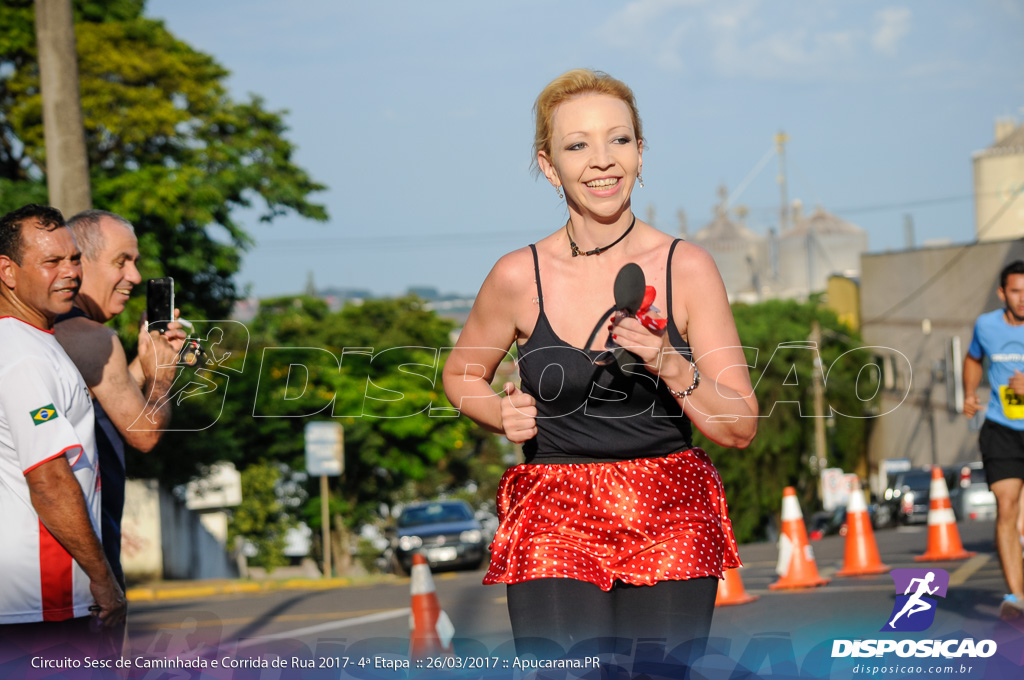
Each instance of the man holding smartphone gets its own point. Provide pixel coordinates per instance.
(121, 391)
(52, 561)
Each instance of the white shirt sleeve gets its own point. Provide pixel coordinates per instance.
(36, 408)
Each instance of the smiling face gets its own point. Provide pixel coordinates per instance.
(110, 275)
(595, 155)
(1012, 295)
(44, 285)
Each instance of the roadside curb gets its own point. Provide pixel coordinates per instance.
(178, 592)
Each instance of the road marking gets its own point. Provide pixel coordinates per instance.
(764, 563)
(323, 627)
(830, 588)
(968, 568)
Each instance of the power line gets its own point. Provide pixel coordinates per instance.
(421, 240)
(881, 207)
(948, 267)
(401, 241)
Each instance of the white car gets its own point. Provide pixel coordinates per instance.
(969, 493)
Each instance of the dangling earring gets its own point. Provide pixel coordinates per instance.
(558, 190)
(640, 180)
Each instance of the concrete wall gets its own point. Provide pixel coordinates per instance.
(161, 538)
(141, 549)
(913, 302)
(190, 550)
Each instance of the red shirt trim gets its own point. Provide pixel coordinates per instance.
(27, 323)
(56, 455)
(56, 578)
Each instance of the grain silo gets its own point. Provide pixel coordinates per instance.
(739, 253)
(816, 247)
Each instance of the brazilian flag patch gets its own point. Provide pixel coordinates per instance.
(44, 414)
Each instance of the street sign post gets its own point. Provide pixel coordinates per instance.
(325, 457)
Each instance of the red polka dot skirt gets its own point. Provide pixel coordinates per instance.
(637, 521)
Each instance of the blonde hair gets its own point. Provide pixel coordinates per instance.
(579, 81)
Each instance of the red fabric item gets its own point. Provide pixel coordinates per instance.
(654, 325)
(56, 578)
(649, 295)
(637, 521)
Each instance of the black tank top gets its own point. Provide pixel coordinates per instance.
(110, 452)
(587, 412)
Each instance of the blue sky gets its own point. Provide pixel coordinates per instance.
(417, 116)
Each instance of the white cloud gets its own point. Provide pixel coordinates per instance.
(789, 53)
(731, 17)
(893, 24)
(669, 57)
(757, 39)
(631, 27)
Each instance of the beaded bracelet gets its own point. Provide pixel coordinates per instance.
(689, 390)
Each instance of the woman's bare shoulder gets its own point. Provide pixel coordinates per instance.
(692, 259)
(501, 301)
(512, 272)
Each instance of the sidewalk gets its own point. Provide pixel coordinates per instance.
(181, 590)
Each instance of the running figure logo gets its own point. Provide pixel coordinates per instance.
(914, 610)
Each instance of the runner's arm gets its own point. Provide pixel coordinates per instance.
(484, 341)
(972, 379)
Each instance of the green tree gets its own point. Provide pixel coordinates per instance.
(775, 334)
(396, 447)
(263, 518)
(168, 148)
(393, 438)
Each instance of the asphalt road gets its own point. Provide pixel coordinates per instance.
(782, 634)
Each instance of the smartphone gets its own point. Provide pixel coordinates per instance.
(160, 303)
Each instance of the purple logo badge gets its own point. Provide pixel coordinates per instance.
(915, 589)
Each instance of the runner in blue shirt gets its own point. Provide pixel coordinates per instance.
(999, 335)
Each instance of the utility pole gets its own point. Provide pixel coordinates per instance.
(67, 165)
(820, 445)
(926, 402)
(929, 414)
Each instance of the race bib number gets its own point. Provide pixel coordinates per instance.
(1013, 403)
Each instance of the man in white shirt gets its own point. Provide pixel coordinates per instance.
(56, 584)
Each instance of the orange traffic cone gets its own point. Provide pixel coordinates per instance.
(731, 590)
(943, 536)
(796, 567)
(861, 548)
(432, 630)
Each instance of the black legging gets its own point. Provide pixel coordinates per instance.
(550, 616)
